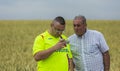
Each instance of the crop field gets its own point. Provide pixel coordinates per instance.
(17, 37)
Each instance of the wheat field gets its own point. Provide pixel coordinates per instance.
(17, 37)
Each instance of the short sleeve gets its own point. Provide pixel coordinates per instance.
(103, 45)
(38, 44)
(69, 51)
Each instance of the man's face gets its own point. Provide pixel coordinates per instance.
(58, 29)
(79, 27)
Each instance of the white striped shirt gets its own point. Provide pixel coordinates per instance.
(87, 51)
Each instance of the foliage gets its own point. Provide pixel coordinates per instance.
(17, 38)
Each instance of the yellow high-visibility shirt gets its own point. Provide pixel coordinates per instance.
(58, 60)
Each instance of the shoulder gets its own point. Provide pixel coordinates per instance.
(63, 36)
(72, 36)
(41, 36)
(94, 32)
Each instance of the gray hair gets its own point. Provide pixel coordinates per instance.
(81, 17)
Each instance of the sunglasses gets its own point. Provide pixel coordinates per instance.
(77, 25)
(58, 30)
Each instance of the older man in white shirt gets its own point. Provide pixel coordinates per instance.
(89, 48)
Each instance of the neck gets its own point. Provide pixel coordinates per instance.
(51, 32)
(82, 33)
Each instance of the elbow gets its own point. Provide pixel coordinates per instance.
(37, 58)
(106, 53)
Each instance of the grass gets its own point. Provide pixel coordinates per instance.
(17, 37)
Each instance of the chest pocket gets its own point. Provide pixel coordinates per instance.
(92, 49)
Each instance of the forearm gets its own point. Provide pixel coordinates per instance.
(71, 67)
(44, 54)
(106, 59)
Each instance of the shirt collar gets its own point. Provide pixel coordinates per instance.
(84, 35)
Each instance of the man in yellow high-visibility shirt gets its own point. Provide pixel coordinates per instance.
(50, 49)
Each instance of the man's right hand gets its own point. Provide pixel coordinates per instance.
(60, 44)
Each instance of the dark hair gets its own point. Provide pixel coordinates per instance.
(60, 20)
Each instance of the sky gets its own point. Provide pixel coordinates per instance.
(49, 9)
